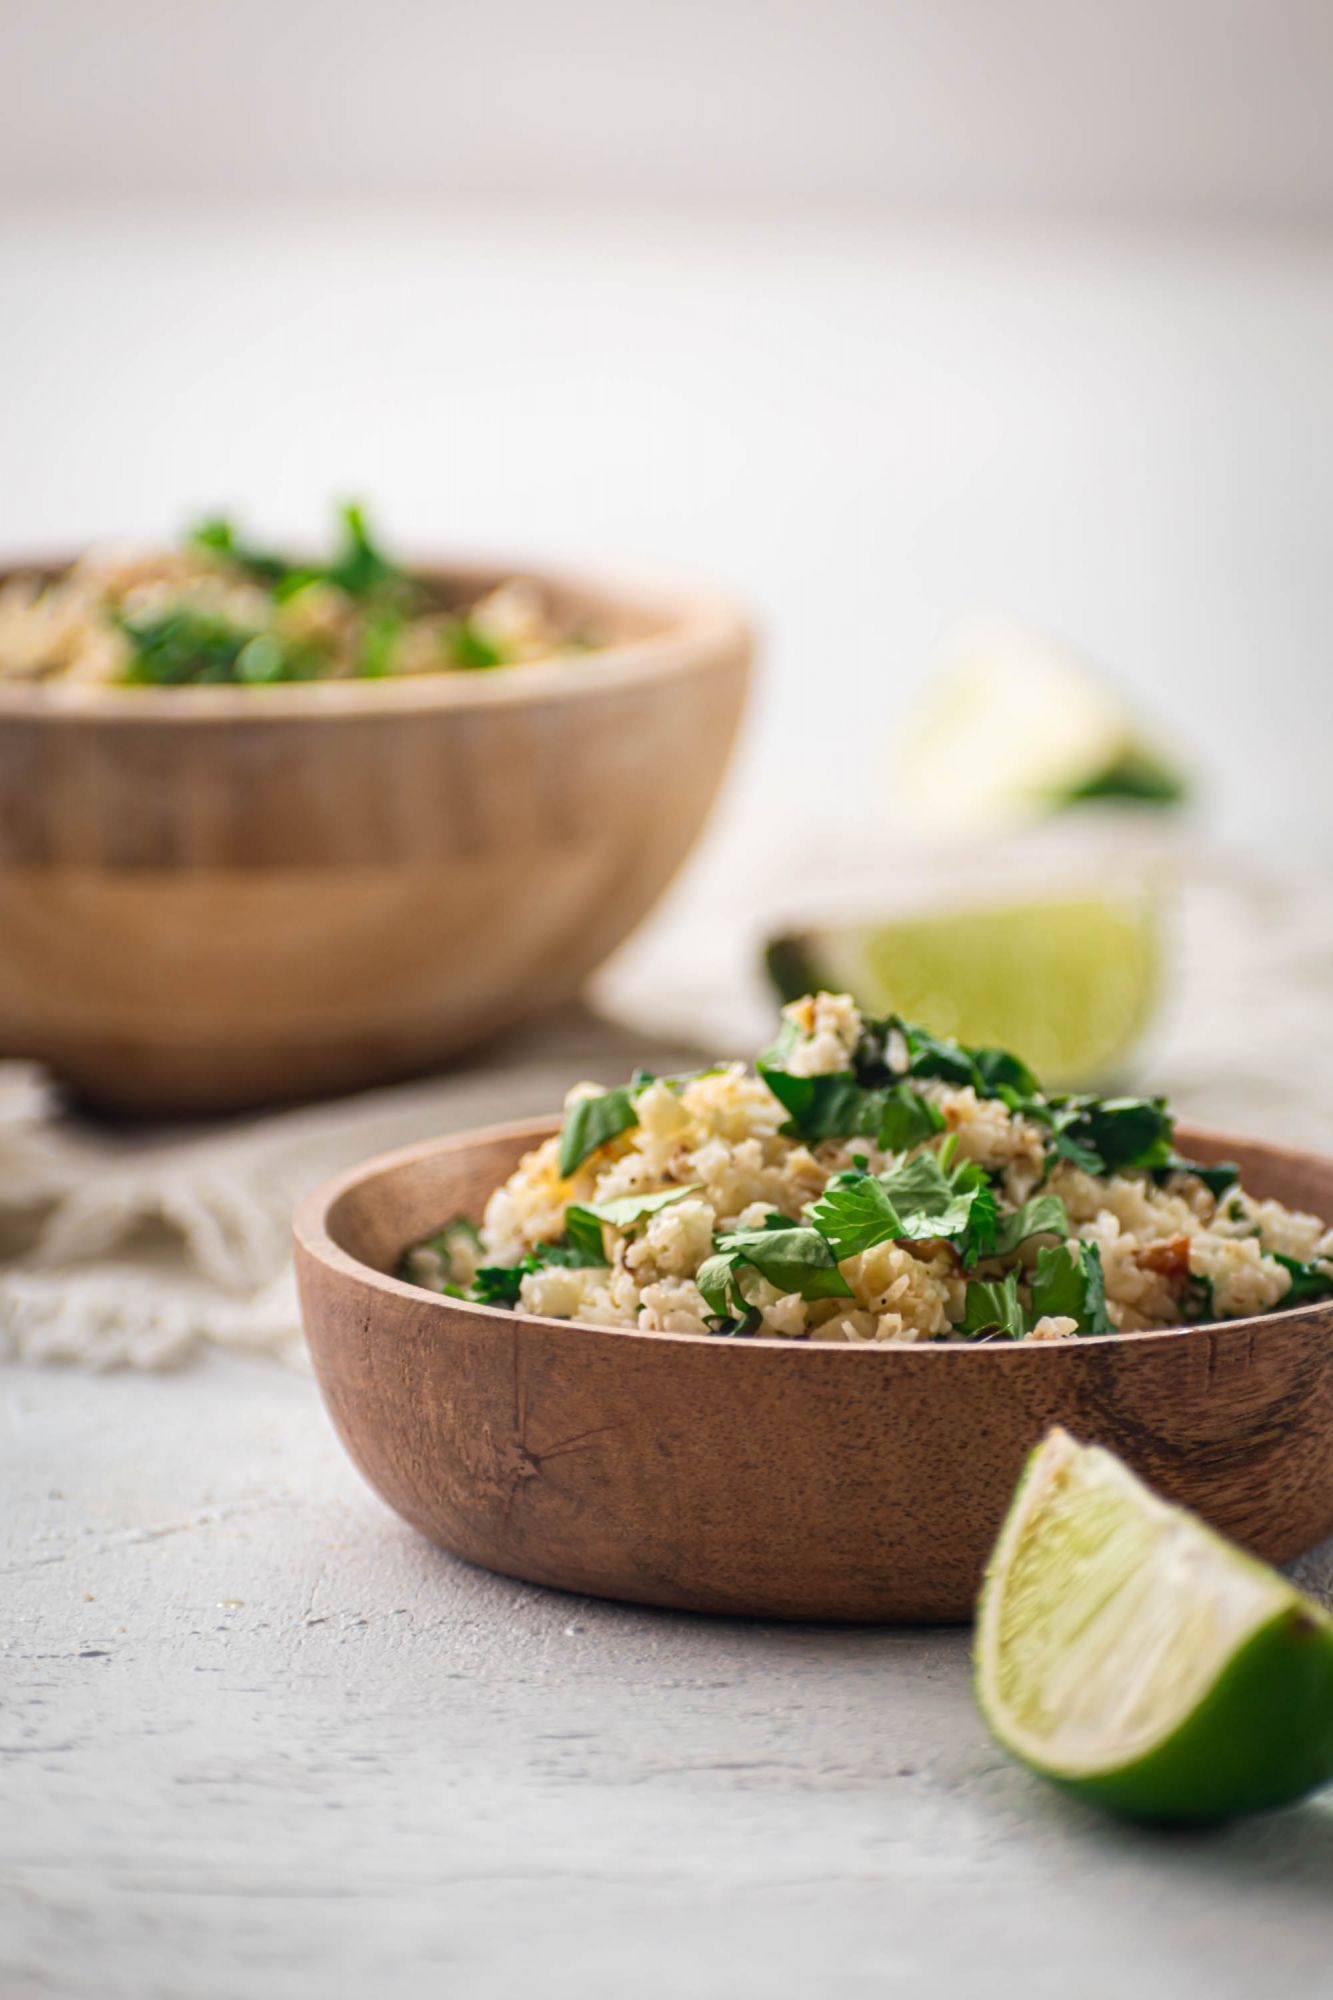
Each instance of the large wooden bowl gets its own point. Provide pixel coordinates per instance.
(219, 896)
(792, 1480)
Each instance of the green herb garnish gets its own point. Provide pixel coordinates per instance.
(1069, 1283)
(993, 1310)
(591, 1121)
(584, 1221)
(1308, 1281)
(792, 1258)
(926, 1197)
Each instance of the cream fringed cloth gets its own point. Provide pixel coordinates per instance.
(123, 1251)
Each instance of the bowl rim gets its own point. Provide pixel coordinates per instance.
(312, 1236)
(703, 628)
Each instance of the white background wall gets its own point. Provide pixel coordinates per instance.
(889, 315)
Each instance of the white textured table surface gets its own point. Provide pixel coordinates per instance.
(258, 1739)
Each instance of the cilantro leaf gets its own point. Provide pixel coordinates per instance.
(1069, 1283)
(733, 1326)
(584, 1231)
(906, 1119)
(1217, 1176)
(994, 1310)
(999, 1071)
(1102, 1135)
(584, 1220)
(854, 1213)
(590, 1122)
(360, 568)
(923, 1198)
(417, 1265)
(837, 1106)
(1198, 1304)
(1127, 1132)
(218, 537)
(499, 1284)
(715, 1279)
(1044, 1215)
(1308, 1281)
(468, 646)
(792, 1257)
(182, 647)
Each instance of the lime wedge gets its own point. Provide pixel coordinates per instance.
(1017, 727)
(1066, 980)
(1136, 1658)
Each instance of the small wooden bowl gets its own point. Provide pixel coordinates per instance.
(212, 897)
(787, 1479)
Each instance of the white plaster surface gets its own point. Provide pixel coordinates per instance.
(256, 1738)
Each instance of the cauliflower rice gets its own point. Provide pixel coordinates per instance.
(1124, 1249)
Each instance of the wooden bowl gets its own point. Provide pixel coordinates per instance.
(787, 1479)
(212, 897)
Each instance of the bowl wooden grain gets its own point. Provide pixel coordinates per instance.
(787, 1479)
(212, 897)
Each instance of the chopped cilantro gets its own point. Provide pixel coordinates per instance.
(994, 1310)
(1102, 1135)
(591, 1121)
(499, 1284)
(837, 1106)
(1069, 1283)
(379, 637)
(925, 1197)
(731, 1326)
(584, 1220)
(1197, 1303)
(1217, 1176)
(468, 646)
(792, 1257)
(360, 568)
(218, 537)
(1308, 1281)
(1044, 1215)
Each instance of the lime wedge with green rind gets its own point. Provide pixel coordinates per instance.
(1017, 727)
(1066, 980)
(1139, 1660)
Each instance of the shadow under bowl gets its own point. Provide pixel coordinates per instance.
(785, 1479)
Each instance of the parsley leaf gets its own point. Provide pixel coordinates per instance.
(590, 1122)
(1044, 1215)
(218, 537)
(499, 1284)
(855, 1212)
(1069, 1283)
(837, 1106)
(1197, 1304)
(584, 1220)
(1102, 1135)
(923, 1198)
(1217, 1176)
(994, 1310)
(792, 1257)
(360, 569)
(468, 646)
(732, 1326)
(1308, 1281)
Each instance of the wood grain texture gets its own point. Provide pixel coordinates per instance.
(770, 1477)
(212, 897)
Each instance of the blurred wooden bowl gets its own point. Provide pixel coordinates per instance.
(212, 897)
(788, 1479)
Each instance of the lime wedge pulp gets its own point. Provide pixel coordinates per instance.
(1134, 1657)
(1016, 727)
(1067, 980)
